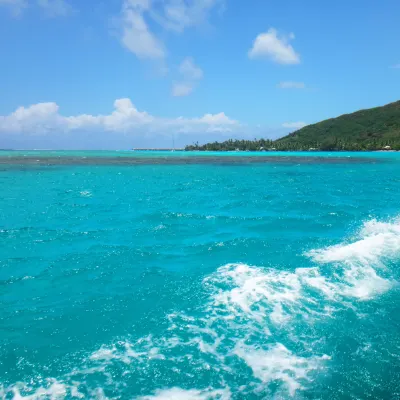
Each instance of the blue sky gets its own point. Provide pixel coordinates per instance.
(133, 73)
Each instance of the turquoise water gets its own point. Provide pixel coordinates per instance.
(259, 281)
(155, 154)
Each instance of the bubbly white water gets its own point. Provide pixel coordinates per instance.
(193, 394)
(255, 316)
(359, 263)
(278, 364)
(249, 300)
(54, 390)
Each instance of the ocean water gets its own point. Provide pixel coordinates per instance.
(207, 280)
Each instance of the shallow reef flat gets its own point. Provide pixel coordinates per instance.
(168, 160)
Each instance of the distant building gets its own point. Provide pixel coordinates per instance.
(387, 148)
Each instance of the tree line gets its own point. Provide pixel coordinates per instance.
(329, 144)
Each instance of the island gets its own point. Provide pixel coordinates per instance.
(365, 130)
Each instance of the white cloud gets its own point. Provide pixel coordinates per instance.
(291, 85)
(44, 118)
(275, 47)
(217, 119)
(189, 70)
(177, 15)
(40, 118)
(124, 118)
(190, 75)
(294, 125)
(170, 15)
(396, 66)
(52, 8)
(136, 35)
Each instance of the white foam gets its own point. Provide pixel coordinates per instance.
(312, 278)
(369, 249)
(258, 293)
(253, 316)
(376, 240)
(104, 353)
(192, 394)
(365, 283)
(75, 392)
(253, 289)
(357, 262)
(86, 193)
(268, 296)
(55, 391)
(278, 316)
(98, 394)
(279, 364)
(253, 300)
(373, 227)
(257, 299)
(127, 352)
(248, 304)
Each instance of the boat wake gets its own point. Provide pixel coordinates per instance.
(261, 332)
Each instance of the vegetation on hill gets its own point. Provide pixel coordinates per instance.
(232, 145)
(372, 129)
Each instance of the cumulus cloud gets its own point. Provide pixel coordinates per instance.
(41, 117)
(275, 47)
(294, 125)
(190, 75)
(44, 118)
(291, 85)
(43, 125)
(139, 18)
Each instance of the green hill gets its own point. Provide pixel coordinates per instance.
(369, 129)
